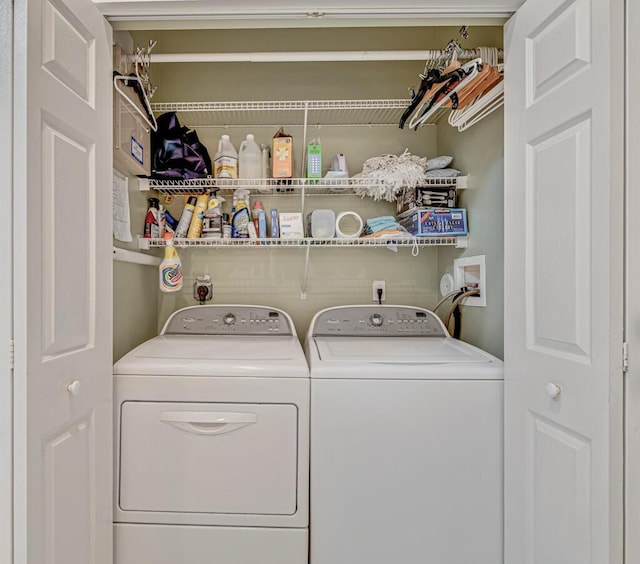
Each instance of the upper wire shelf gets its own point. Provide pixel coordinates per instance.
(360, 242)
(332, 113)
(279, 187)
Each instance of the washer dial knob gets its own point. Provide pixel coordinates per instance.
(376, 320)
(229, 319)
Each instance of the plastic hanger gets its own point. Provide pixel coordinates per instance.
(489, 100)
(479, 108)
(465, 74)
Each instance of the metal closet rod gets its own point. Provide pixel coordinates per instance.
(308, 56)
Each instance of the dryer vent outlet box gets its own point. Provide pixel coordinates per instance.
(470, 272)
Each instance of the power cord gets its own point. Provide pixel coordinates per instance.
(379, 292)
(461, 295)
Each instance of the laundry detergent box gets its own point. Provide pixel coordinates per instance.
(435, 221)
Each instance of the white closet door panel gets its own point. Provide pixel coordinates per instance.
(563, 290)
(632, 390)
(62, 289)
(6, 291)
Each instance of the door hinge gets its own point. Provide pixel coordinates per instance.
(12, 355)
(625, 357)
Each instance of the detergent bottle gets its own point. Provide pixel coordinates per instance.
(170, 267)
(226, 159)
(249, 158)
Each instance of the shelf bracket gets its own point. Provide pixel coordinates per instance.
(462, 242)
(305, 277)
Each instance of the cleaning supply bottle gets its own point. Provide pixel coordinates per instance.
(249, 159)
(195, 227)
(226, 159)
(152, 220)
(265, 168)
(170, 267)
(259, 219)
(185, 218)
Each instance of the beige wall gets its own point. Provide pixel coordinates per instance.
(340, 275)
(480, 150)
(135, 306)
(135, 288)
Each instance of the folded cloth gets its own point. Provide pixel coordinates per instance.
(386, 233)
(382, 223)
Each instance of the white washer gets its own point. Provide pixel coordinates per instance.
(212, 441)
(406, 441)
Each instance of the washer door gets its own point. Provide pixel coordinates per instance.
(208, 458)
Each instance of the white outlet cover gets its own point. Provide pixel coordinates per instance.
(462, 267)
(446, 284)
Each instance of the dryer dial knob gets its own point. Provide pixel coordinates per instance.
(376, 320)
(229, 319)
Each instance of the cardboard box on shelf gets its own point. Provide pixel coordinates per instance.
(435, 221)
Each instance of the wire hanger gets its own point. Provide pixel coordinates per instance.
(142, 62)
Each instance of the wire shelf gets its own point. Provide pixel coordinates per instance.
(280, 187)
(332, 113)
(361, 242)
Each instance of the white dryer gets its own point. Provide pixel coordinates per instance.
(406, 441)
(212, 441)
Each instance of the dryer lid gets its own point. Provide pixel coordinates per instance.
(216, 355)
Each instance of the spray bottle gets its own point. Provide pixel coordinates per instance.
(151, 220)
(170, 267)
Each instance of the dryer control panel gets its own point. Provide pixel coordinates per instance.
(229, 320)
(383, 321)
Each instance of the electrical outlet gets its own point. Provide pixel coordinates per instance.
(379, 285)
(203, 289)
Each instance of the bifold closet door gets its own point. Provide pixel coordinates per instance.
(6, 292)
(632, 387)
(62, 284)
(564, 282)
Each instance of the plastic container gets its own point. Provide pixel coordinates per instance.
(170, 267)
(240, 224)
(195, 226)
(249, 159)
(226, 159)
(265, 169)
(323, 224)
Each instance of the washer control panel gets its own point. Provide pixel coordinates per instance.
(383, 321)
(229, 320)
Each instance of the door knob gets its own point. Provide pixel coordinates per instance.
(74, 388)
(553, 390)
